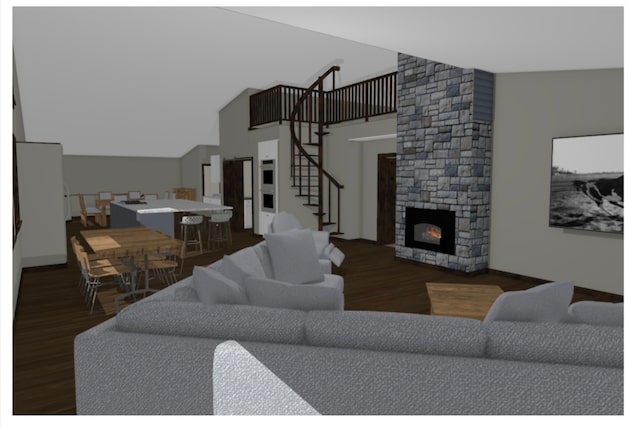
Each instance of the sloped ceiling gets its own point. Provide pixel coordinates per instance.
(495, 39)
(149, 81)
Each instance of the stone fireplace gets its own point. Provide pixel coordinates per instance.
(443, 163)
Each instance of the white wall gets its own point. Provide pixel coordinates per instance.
(191, 167)
(531, 109)
(355, 165)
(44, 240)
(119, 174)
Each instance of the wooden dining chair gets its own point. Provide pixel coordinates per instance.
(163, 263)
(185, 193)
(134, 195)
(103, 203)
(94, 272)
(85, 212)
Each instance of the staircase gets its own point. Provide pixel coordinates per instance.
(309, 112)
(317, 187)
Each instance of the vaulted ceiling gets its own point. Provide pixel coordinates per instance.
(143, 81)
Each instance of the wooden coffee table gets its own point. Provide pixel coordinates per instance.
(462, 300)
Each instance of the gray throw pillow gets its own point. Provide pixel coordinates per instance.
(232, 270)
(247, 260)
(545, 303)
(597, 313)
(294, 256)
(213, 287)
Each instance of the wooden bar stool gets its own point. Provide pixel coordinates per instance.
(220, 230)
(191, 233)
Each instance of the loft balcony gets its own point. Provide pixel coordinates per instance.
(361, 100)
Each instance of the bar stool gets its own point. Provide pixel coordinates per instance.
(191, 225)
(220, 229)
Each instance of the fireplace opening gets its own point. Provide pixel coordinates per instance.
(431, 230)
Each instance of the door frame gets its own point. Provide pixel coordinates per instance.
(380, 213)
(240, 207)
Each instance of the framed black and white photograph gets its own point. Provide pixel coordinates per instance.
(587, 175)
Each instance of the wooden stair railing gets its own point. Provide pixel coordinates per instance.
(361, 100)
(307, 169)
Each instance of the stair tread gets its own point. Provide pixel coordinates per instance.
(336, 233)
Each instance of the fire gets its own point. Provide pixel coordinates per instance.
(433, 231)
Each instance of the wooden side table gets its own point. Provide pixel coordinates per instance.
(462, 300)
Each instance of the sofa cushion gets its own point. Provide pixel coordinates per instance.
(330, 280)
(213, 287)
(293, 256)
(222, 321)
(247, 260)
(273, 293)
(262, 253)
(576, 344)
(545, 303)
(340, 381)
(596, 313)
(186, 293)
(396, 332)
(232, 270)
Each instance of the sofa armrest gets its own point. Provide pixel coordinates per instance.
(274, 293)
(325, 266)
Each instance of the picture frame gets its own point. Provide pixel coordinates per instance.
(587, 183)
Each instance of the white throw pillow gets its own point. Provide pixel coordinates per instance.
(213, 287)
(545, 303)
(294, 256)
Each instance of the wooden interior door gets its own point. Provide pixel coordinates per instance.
(386, 198)
(233, 191)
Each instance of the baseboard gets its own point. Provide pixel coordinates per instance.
(44, 261)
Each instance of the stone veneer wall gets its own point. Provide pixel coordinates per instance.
(443, 159)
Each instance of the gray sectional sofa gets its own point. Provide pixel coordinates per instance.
(157, 357)
(264, 331)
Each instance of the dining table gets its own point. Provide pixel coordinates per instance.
(129, 244)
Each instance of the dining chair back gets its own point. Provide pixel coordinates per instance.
(94, 271)
(105, 195)
(134, 195)
(86, 212)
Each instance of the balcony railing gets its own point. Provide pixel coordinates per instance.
(361, 100)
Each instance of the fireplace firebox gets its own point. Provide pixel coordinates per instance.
(431, 230)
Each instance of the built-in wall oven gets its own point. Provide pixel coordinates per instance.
(267, 185)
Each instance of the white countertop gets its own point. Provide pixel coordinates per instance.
(170, 206)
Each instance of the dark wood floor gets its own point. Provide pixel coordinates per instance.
(51, 311)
